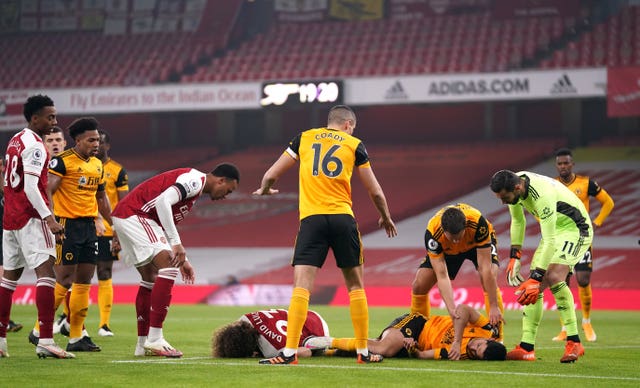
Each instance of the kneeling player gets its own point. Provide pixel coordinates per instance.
(261, 334)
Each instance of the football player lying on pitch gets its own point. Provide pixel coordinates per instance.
(434, 338)
(263, 334)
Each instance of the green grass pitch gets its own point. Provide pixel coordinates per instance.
(614, 360)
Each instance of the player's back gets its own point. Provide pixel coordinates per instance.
(141, 200)
(571, 211)
(271, 326)
(327, 159)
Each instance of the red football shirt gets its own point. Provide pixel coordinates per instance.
(141, 200)
(272, 329)
(25, 154)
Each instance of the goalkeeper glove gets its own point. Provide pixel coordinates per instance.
(513, 270)
(530, 290)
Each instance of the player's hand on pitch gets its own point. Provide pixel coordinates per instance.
(262, 191)
(188, 273)
(389, 226)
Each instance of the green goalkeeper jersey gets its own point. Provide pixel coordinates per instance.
(557, 209)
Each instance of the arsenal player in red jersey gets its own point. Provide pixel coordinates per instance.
(145, 221)
(264, 334)
(28, 224)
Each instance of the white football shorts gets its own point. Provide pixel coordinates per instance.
(141, 239)
(30, 246)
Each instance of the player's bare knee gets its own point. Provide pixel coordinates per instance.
(104, 273)
(64, 275)
(583, 279)
(424, 280)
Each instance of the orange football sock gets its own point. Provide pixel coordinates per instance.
(297, 315)
(420, 304)
(348, 344)
(78, 306)
(105, 301)
(359, 311)
(585, 300)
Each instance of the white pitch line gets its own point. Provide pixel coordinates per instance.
(189, 361)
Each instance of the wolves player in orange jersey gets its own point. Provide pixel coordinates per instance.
(455, 234)
(328, 158)
(468, 337)
(584, 187)
(263, 334)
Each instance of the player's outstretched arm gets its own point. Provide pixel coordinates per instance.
(284, 162)
(464, 314)
(489, 283)
(444, 286)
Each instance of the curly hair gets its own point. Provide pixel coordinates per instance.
(82, 125)
(235, 340)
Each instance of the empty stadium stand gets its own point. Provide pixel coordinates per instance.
(614, 42)
(447, 43)
(88, 58)
(471, 42)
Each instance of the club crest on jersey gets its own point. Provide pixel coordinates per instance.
(546, 212)
(483, 232)
(193, 185)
